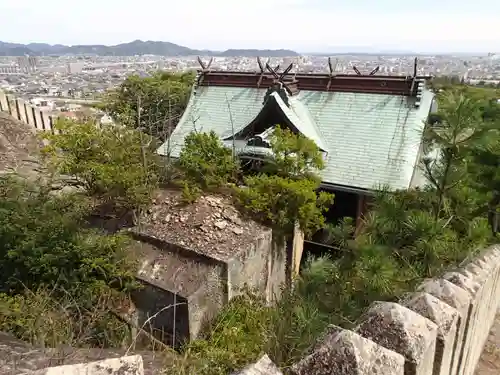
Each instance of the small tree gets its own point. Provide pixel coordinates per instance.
(206, 164)
(281, 202)
(462, 127)
(485, 172)
(163, 98)
(287, 193)
(114, 164)
(293, 156)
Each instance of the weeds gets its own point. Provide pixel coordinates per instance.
(38, 317)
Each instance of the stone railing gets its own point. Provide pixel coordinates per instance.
(131, 365)
(440, 329)
(25, 112)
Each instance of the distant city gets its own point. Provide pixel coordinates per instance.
(66, 82)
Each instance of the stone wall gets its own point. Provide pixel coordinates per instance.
(18, 357)
(440, 329)
(25, 112)
(130, 365)
(196, 279)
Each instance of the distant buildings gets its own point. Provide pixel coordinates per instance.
(27, 64)
(75, 67)
(43, 104)
(81, 79)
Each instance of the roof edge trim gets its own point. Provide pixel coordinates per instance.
(184, 118)
(274, 99)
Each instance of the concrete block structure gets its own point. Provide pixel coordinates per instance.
(195, 258)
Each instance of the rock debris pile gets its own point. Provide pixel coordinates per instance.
(211, 225)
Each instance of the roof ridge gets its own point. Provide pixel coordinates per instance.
(306, 111)
(306, 126)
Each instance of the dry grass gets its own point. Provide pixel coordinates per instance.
(67, 330)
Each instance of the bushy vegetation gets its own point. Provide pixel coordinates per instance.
(55, 273)
(284, 193)
(153, 104)
(205, 165)
(281, 195)
(114, 164)
(60, 281)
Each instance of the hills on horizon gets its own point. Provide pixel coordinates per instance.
(137, 47)
(159, 48)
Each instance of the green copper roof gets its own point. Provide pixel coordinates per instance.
(221, 109)
(299, 115)
(369, 139)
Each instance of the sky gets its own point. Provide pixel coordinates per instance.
(301, 25)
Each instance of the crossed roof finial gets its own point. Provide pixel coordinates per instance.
(205, 68)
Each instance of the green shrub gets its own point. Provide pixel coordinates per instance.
(285, 193)
(44, 242)
(114, 164)
(44, 318)
(206, 164)
(281, 202)
(57, 277)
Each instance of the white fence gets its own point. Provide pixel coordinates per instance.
(25, 112)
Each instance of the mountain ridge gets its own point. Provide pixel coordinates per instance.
(136, 47)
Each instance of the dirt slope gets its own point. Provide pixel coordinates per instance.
(19, 147)
(489, 363)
